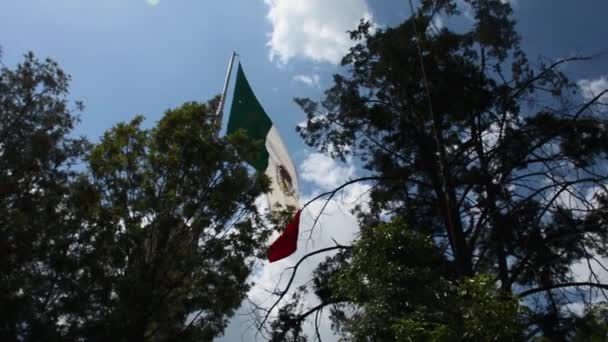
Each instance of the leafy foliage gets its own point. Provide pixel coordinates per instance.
(172, 194)
(41, 200)
(396, 289)
(593, 326)
(153, 241)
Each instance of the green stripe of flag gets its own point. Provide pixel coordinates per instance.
(247, 113)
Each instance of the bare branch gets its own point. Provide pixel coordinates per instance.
(293, 275)
(591, 102)
(331, 194)
(562, 285)
(317, 316)
(334, 191)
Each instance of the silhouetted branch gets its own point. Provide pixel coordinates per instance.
(317, 315)
(542, 74)
(332, 193)
(293, 275)
(591, 102)
(562, 285)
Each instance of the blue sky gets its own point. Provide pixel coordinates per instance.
(129, 57)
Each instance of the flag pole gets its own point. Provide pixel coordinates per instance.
(220, 108)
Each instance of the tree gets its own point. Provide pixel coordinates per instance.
(486, 165)
(153, 240)
(38, 219)
(417, 298)
(179, 230)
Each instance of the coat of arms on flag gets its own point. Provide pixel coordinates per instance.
(247, 114)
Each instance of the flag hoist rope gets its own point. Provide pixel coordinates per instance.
(220, 107)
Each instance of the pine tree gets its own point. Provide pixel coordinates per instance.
(485, 167)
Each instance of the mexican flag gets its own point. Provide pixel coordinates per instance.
(247, 114)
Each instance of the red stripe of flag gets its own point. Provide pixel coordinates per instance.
(287, 243)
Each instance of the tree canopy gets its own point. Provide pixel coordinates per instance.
(149, 234)
(489, 179)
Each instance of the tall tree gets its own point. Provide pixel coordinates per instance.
(179, 229)
(153, 239)
(484, 166)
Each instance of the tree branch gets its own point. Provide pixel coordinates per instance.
(562, 285)
(334, 191)
(528, 83)
(331, 194)
(293, 275)
(591, 102)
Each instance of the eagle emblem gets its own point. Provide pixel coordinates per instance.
(284, 180)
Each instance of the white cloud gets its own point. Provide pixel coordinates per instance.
(592, 271)
(324, 172)
(466, 9)
(153, 2)
(577, 308)
(591, 88)
(438, 22)
(311, 81)
(313, 29)
(584, 271)
(336, 223)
